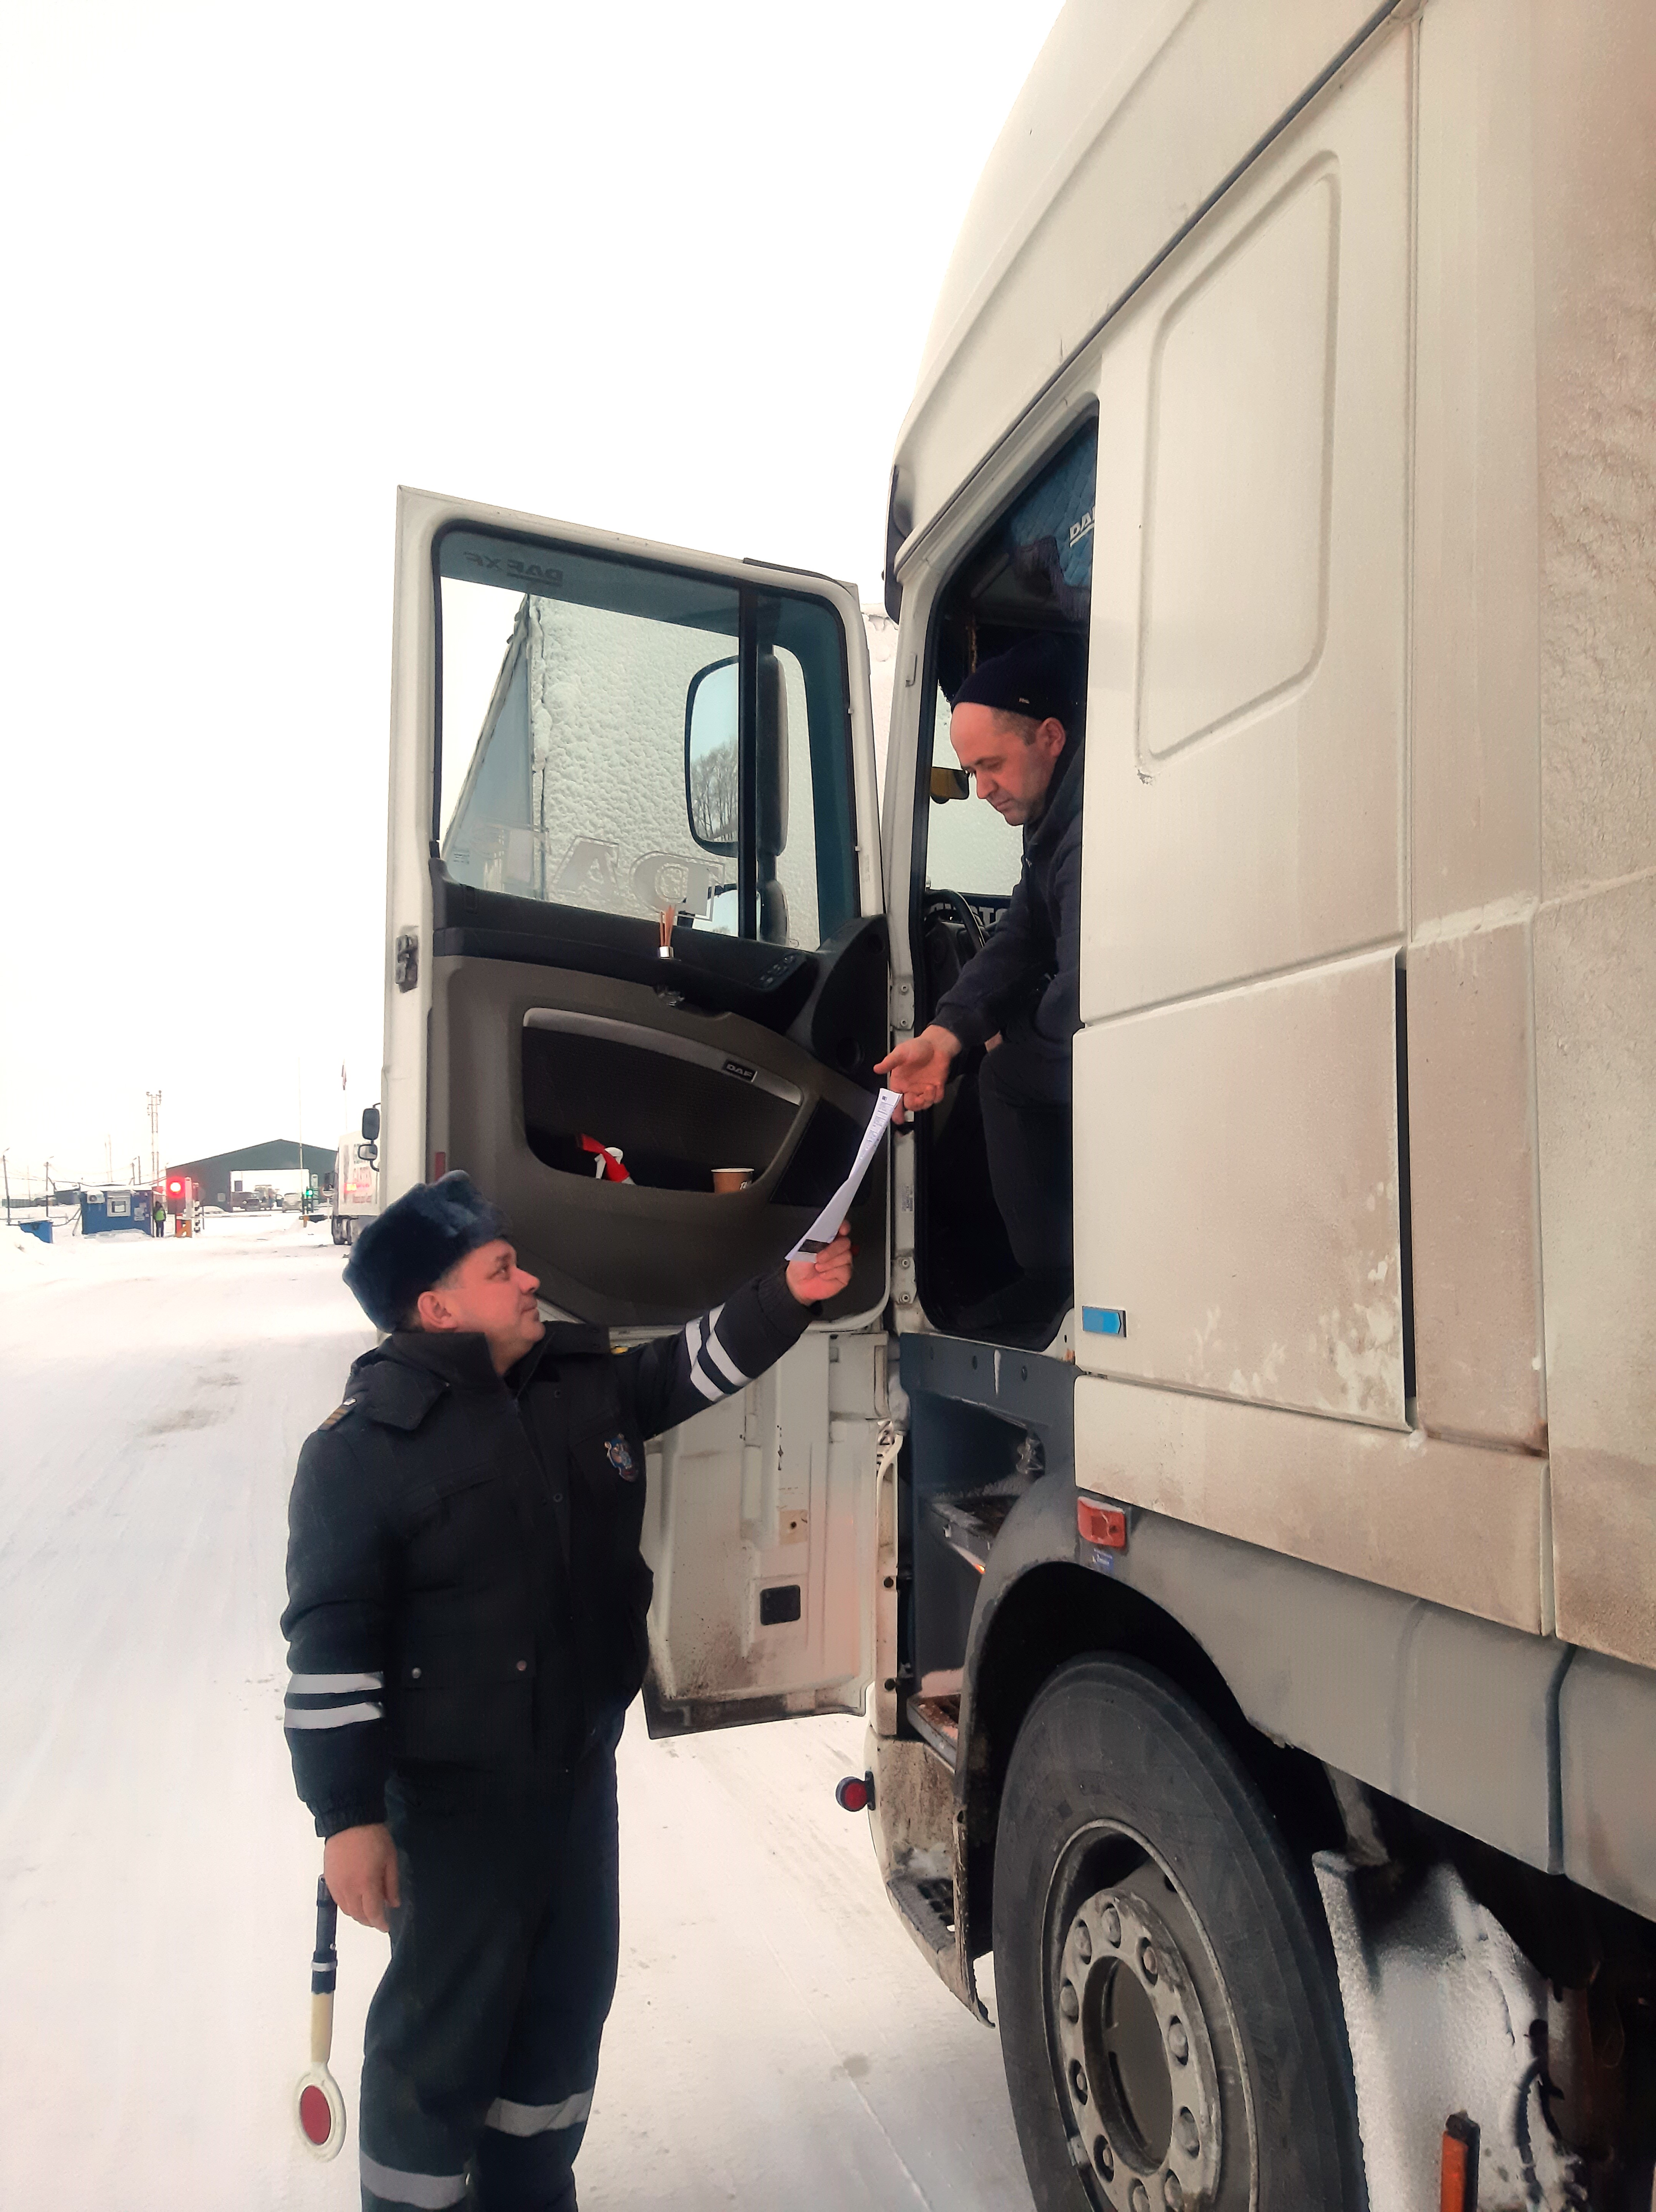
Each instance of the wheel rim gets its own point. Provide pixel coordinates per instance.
(1142, 2035)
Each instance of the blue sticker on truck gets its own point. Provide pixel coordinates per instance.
(1105, 1320)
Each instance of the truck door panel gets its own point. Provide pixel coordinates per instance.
(530, 1059)
(587, 731)
(578, 791)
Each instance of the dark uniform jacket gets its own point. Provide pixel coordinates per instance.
(466, 1593)
(1026, 981)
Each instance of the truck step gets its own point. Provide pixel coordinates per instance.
(936, 1720)
(927, 1903)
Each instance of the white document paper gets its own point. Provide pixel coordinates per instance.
(826, 1227)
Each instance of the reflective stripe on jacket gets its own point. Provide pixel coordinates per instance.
(466, 1593)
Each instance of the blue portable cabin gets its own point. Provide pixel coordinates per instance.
(103, 1209)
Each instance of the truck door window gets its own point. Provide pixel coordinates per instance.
(969, 849)
(1031, 571)
(567, 688)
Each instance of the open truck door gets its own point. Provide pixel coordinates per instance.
(635, 935)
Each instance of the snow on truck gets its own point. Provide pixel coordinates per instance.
(1262, 1659)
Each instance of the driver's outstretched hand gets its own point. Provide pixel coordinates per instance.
(824, 1277)
(919, 1068)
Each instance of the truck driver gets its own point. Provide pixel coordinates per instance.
(1017, 729)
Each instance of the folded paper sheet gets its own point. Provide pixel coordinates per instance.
(824, 1228)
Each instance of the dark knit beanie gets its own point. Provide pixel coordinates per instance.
(415, 1242)
(1039, 677)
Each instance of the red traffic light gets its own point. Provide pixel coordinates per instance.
(175, 1186)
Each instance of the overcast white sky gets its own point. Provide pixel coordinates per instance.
(662, 269)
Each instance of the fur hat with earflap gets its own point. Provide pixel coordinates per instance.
(413, 1244)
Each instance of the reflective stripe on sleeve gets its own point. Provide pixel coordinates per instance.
(726, 1365)
(326, 1717)
(328, 1685)
(538, 2119)
(431, 2193)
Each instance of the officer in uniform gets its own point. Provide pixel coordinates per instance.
(1016, 726)
(465, 1630)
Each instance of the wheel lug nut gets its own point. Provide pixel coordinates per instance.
(1185, 2129)
(1178, 2042)
(1103, 2157)
(1078, 2081)
(1083, 1942)
(1068, 2003)
(1172, 2195)
(1139, 2197)
(1112, 1927)
(1149, 1965)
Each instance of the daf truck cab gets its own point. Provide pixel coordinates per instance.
(1259, 1657)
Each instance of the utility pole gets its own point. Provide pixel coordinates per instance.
(6, 1171)
(109, 1159)
(154, 1098)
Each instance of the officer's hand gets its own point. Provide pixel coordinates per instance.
(359, 1866)
(824, 1277)
(919, 1068)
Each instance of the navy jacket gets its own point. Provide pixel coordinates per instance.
(466, 1593)
(1026, 980)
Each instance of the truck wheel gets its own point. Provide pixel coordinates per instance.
(1169, 2016)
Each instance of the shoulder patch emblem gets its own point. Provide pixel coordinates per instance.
(338, 1413)
(620, 1458)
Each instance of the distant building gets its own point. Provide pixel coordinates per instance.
(217, 1176)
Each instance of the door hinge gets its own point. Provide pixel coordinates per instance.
(408, 961)
(902, 1002)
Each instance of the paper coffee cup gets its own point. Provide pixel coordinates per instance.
(726, 1179)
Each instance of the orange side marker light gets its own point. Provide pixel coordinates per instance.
(1103, 1525)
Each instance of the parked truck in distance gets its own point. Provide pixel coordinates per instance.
(356, 1180)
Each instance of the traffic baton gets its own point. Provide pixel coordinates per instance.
(317, 2105)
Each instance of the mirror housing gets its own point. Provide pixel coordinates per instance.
(371, 1123)
(712, 721)
(370, 1152)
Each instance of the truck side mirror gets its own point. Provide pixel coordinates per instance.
(370, 1125)
(712, 718)
(369, 1152)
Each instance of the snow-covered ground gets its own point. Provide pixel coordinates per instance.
(776, 2040)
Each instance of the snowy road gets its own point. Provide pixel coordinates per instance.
(776, 2041)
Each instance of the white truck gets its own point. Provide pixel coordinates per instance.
(355, 1184)
(1262, 1656)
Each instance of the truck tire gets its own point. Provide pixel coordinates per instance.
(1170, 2018)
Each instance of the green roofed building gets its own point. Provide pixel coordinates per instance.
(217, 1176)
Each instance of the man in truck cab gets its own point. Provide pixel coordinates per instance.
(1017, 729)
(465, 1630)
